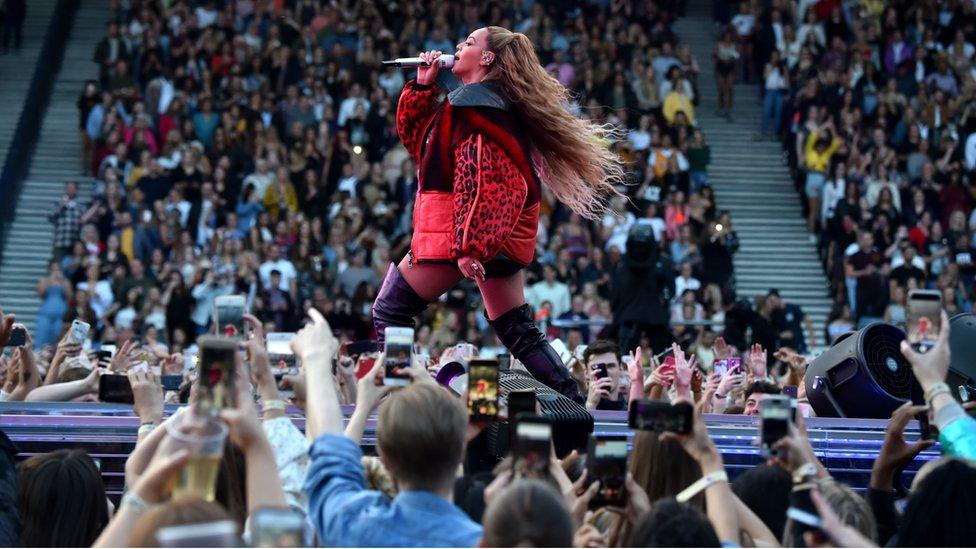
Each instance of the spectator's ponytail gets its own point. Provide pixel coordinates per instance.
(574, 159)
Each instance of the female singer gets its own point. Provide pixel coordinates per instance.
(482, 158)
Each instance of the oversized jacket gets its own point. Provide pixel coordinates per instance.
(478, 194)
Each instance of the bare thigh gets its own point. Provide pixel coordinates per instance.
(502, 294)
(429, 280)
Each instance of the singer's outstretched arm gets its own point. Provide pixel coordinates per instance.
(416, 106)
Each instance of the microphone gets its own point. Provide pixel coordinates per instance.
(446, 61)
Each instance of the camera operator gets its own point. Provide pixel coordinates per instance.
(642, 288)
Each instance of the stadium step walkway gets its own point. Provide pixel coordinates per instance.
(751, 181)
(17, 69)
(56, 159)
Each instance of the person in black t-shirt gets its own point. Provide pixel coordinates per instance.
(869, 269)
(909, 269)
(603, 370)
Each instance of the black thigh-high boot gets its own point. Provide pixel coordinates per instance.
(518, 331)
(397, 304)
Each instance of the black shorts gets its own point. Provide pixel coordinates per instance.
(500, 266)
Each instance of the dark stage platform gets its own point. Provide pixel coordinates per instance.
(847, 447)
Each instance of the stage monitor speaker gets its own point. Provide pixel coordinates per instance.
(864, 375)
(962, 345)
(571, 423)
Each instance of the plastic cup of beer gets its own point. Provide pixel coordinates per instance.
(204, 438)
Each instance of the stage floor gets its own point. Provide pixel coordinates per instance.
(847, 447)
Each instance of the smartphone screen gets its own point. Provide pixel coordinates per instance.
(279, 351)
(924, 318)
(115, 389)
(533, 442)
(483, 389)
(520, 402)
(720, 367)
(658, 415)
(171, 382)
(18, 337)
(229, 315)
(277, 528)
(735, 364)
(607, 463)
(774, 420)
(399, 351)
(218, 373)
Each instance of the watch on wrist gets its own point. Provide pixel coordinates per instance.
(804, 472)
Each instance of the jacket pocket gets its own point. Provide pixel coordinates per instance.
(433, 218)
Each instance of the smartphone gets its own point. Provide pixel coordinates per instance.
(271, 527)
(720, 367)
(667, 367)
(659, 415)
(365, 367)
(356, 348)
(924, 318)
(533, 444)
(483, 389)
(229, 315)
(802, 510)
(109, 348)
(774, 421)
(79, 331)
(791, 391)
(521, 402)
(218, 372)
(504, 361)
(18, 337)
(580, 349)
(561, 350)
(221, 533)
(171, 382)
(600, 371)
(606, 463)
(735, 364)
(115, 389)
(399, 355)
(279, 351)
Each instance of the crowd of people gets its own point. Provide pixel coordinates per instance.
(423, 490)
(874, 104)
(234, 142)
(249, 148)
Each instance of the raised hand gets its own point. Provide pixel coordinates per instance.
(722, 349)
(684, 368)
(314, 339)
(896, 453)
(757, 361)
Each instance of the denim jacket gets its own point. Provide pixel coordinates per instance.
(346, 514)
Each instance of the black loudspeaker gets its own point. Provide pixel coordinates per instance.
(864, 375)
(962, 345)
(571, 423)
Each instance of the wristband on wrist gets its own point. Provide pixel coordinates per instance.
(134, 503)
(701, 484)
(146, 428)
(276, 404)
(936, 390)
(804, 472)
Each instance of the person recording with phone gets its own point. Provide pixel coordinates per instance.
(484, 156)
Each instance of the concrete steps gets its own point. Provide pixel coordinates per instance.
(57, 158)
(751, 181)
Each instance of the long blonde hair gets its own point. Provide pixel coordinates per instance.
(574, 158)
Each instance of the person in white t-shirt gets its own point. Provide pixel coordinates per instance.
(277, 263)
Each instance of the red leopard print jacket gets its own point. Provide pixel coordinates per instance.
(484, 210)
